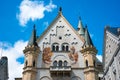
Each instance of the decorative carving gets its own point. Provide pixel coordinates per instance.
(47, 54)
(73, 55)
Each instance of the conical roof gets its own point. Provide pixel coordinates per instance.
(87, 38)
(32, 40)
(80, 27)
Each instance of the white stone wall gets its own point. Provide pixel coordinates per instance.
(60, 28)
(71, 39)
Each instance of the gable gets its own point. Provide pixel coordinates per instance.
(59, 28)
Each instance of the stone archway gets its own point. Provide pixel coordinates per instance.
(75, 78)
(45, 78)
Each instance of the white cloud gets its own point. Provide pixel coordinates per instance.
(33, 10)
(14, 52)
(99, 57)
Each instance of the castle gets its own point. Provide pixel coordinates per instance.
(61, 53)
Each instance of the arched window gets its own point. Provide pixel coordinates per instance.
(55, 47)
(26, 63)
(55, 63)
(65, 63)
(34, 63)
(76, 78)
(94, 63)
(99, 78)
(67, 48)
(63, 48)
(86, 63)
(114, 72)
(60, 63)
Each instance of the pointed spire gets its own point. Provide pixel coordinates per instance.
(87, 38)
(80, 27)
(32, 40)
(60, 11)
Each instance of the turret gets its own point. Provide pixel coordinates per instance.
(81, 28)
(31, 53)
(89, 52)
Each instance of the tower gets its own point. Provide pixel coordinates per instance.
(4, 68)
(89, 52)
(31, 53)
(81, 28)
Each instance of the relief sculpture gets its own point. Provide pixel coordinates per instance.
(73, 55)
(47, 54)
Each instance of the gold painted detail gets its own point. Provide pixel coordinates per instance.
(47, 54)
(73, 55)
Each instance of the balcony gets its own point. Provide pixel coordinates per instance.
(60, 68)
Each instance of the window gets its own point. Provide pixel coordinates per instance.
(114, 72)
(86, 63)
(26, 63)
(65, 47)
(119, 59)
(99, 78)
(76, 78)
(34, 63)
(94, 63)
(55, 63)
(74, 38)
(60, 63)
(67, 30)
(55, 47)
(65, 63)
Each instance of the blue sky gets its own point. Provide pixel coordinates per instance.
(96, 14)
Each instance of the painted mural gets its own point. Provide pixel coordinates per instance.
(73, 55)
(47, 54)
